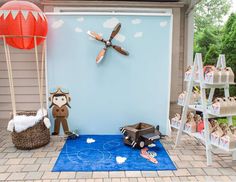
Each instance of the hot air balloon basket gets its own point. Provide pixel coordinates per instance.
(33, 137)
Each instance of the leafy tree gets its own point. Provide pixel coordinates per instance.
(208, 28)
(212, 37)
(207, 42)
(212, 55)
(229, 45)
(211, 13)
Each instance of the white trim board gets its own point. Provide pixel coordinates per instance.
(111, 10)
(107, 13)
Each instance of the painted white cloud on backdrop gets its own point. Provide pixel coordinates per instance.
(57, 24)
(136, 21)
(138, 34)
(79, 30)
(80, 19)
(163, 23)
(120, 37)
(110, 23)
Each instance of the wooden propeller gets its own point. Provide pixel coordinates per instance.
(108, 43)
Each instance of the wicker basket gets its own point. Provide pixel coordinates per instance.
(33, 137)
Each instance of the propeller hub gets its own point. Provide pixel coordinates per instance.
(108, 43)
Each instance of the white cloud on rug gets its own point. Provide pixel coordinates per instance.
(90, 140)
(57, 24)
(110, 23)
(120, 160)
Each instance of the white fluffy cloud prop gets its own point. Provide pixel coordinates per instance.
(90, 140)
(120, 160)
(23, 122)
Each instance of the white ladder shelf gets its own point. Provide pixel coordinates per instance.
(198, 66)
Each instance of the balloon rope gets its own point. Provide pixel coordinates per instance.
(12, 83)
(10, 76)
(42, 71)
(38, 73)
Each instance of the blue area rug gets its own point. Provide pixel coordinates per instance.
(108, 153)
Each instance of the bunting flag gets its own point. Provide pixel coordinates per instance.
(5, 13)
(14, 13)
(35, 14)
(25, 13)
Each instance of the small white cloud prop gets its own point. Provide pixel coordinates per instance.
(138, 34)
(163, 23)
(57, 24)
(120, 160)
(120, 37)
(79, 30)
(136, 21)
(80, 19)
(152, 145)
(110, 23)
(90, 140)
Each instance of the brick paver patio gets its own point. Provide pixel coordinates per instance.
(36, 165)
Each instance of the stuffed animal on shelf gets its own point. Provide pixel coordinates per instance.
(216, 134)
(200, 123)
(60, 104)
(176, 121)
(188, 72)
(190, 125)
(213, 124)
(228, 140)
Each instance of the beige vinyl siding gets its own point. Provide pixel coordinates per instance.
(177, 83)
(25, 81)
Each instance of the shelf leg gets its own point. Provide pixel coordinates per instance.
(179, 134)
(209, 156)
(205, 115)
(207, 142)
(186, 103)
(210, 98)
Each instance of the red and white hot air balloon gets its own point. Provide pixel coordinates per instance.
(20, 21)
(24, 26)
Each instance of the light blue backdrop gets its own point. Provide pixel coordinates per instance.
(120, 90)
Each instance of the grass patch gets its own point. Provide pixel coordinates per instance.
(224, 120)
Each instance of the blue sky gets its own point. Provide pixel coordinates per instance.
(233, 5)
(233, 9)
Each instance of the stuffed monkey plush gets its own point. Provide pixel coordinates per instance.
(59, 104)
